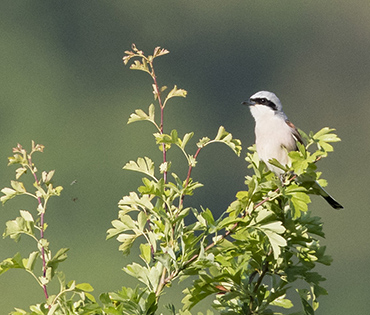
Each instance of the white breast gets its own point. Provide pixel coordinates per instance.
(274, 137)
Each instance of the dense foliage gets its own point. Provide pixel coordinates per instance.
(248, 259)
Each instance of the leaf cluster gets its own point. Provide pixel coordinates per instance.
(72, 297)
(249, 258)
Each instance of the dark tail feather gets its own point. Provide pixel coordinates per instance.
(331, 201)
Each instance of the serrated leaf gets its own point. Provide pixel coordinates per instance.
(272, 231)
(137, 65)
(203, 142)
(133, 203)
(276, 227)
(143, 165)
(158, 51)
(175, 92)
(224, 137)
(324, 132)
(140, 115)
(118, 227)
(168, 139)
(128, 222)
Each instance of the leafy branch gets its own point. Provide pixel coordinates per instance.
(247, 259)
(266, 232)
(27, 225)
(145, 63)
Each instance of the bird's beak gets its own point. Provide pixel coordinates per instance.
(249, 103)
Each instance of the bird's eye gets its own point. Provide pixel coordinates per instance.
(263, 100)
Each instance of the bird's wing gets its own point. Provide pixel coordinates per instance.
(296, 135)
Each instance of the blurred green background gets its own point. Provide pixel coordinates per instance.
(63, 84)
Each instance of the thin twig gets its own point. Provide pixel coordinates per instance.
(41, 229)
(162, 283)
(162, 116)
(188, 175)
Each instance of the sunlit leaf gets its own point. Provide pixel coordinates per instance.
(175, 92)
(143, 165)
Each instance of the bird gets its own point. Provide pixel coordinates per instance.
(276, 136)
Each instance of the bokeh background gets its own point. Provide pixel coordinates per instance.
(63, 84)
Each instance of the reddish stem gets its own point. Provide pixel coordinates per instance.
(41, 233)
(188, 176)
(162, 118)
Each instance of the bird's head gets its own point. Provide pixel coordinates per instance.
(264, 103)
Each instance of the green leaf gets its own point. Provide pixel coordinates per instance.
(8, 194)
(149, 276)
(26, 215)
(15, 228)
(17, 159)
(20, 171)
(276, 163)
(158, 51)
(164, 167)
(272, 231)
(53, 263)
(186, 139)
(142, 219)
(18, 186)
(227, 138)
(140, 115)
(142, 66)
(46, 177)
(325, 134)
(86, 287)
(29, 263)
(281, 301)
(127, 241)
(128, 222)
(19, 311)
(143, 165)
(175, 92)
(134, 203)
(203, 142)
(305, 296)
(146, 252)
(12, 263)
(118, 227)
(298, 198)
(168, 139)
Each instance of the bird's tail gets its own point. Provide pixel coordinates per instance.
(330, 200)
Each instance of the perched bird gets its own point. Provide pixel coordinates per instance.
(276, 135)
